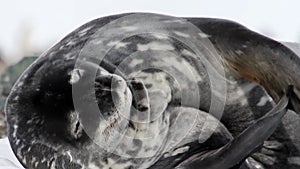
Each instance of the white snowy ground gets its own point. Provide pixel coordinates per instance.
(7, 157)
(9, 161)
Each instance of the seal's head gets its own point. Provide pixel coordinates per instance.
(44, 119)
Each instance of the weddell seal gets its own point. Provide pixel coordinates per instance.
(153, 91)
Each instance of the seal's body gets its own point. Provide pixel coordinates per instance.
(152, 88)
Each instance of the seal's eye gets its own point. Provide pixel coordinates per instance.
(75, 129)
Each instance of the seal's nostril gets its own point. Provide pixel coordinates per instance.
(142, 107)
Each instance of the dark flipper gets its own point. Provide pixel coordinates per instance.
(237, 150)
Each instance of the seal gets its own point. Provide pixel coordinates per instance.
(126, 95)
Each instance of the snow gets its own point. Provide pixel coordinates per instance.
(7, 157)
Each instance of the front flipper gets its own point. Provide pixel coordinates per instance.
(237, 150)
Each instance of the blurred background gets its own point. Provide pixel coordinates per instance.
(30, 27)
